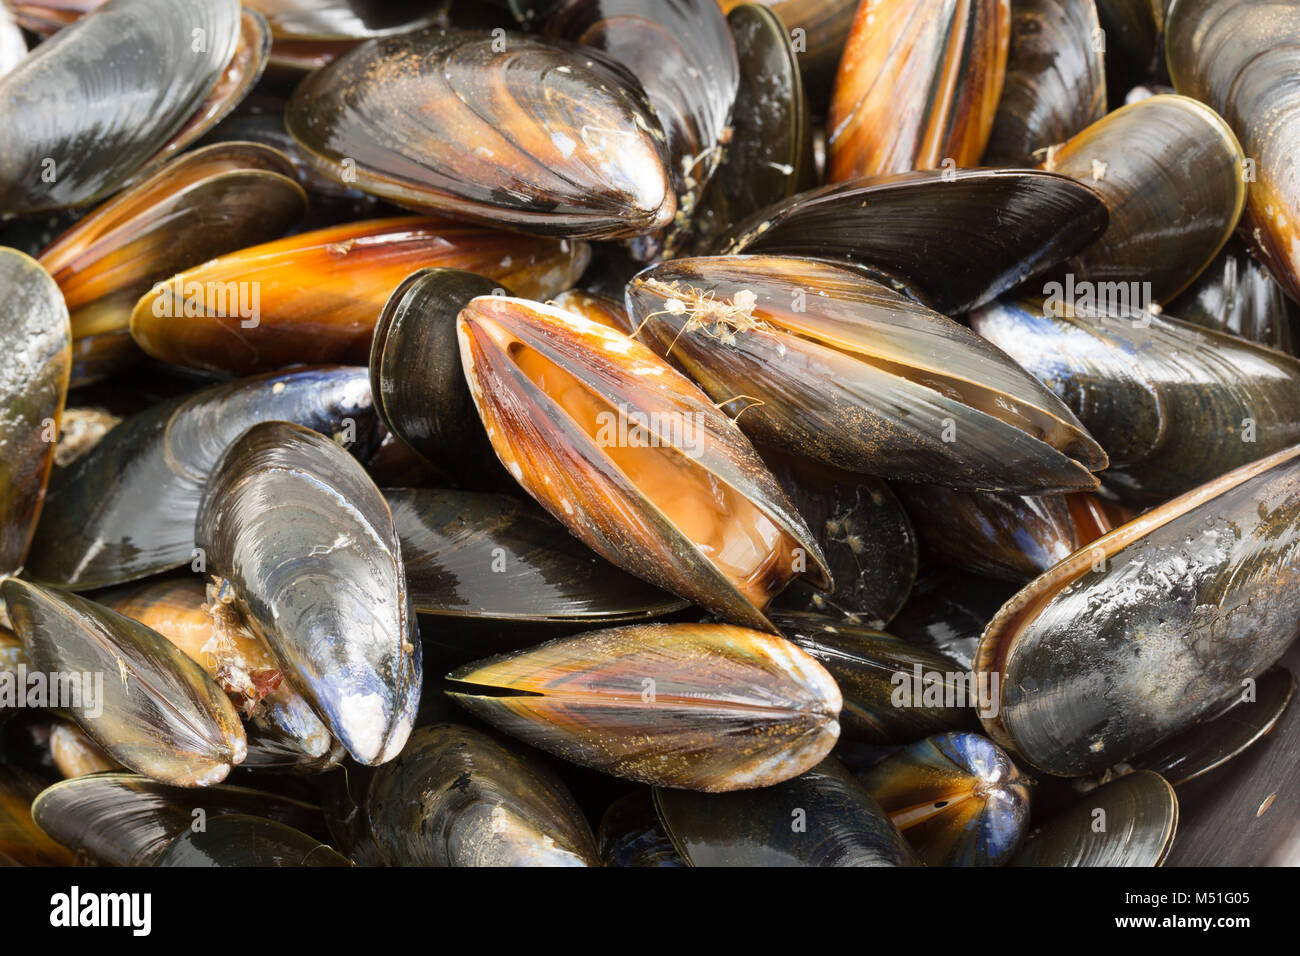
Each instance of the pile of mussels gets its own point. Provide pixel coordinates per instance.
(649, 432)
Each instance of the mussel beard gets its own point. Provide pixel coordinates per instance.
(631, 457)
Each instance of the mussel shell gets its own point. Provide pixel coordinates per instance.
(521, 131)
(822, 818)
(875, 672)
(121, 819)
(433, 413)
(865, 534)
(1014, 537)
(630, 834)
(307, 541)
(690, 454)
(1055, 82)
(148, 705)
(961, 238)
(918, 86)
(1173, 405)
(75, 754)
(315, 297)
(820, 29)
(770, 154)
(346, 19)
(702, 706)
(1171, 173)
(479, 555)
(203, 204)
(126, 510)
(958, 799)
(1131, 41)
(1198, 750)
(1238, 295)
(74, 102)
(33, 387)
(683, 54)
(241, 840)
(456, 797)
(1152, 627)
(1135, 827)
(22, 842)
(827, 364)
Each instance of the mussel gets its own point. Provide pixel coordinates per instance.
(820, 361)
(633, 458)
(306, 543)
(126, 509)
(33, 386)
(702, 706)
(1152, 627)
(148, 705)
(241, 840)
(315, 297)
(456, 797)
(1237, 294)
(518, 131)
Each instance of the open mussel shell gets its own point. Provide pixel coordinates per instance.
(487, 556)
(770, 155)
(1238, 295)
(1173, 405)
(121, 819)
(199, 206)
(633, 458)
(630, 834)
(918, 86)
(817, 359)
(1055, 83)
(823, 817)
(683, 55)
(433, 412)
(76, 123)
(1171, 173)
(864, 532)
(33, 387)
(894, 692)
(702, 706)
(126, 510)
(148, 705)
(1207, 746)
(1014, 537)
(319, 578)
(208, 631)
(22, 842)
(959, 238)
(1128, 822)
(456, 797)
(241, 840)
(1145, 632)
(315, 297)
(525, 132)
(957, 798)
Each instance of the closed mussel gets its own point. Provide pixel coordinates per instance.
(148, 705)
(126, 510)
(457, 797)
(1173, 405)
(306, 541)
(633, 458)
(33, 387)
(526, 132)
(702, 706)
(823, 362)
(1152, 627)
(958, 799)
(822, 818)
(918, 86)
(315, 297)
